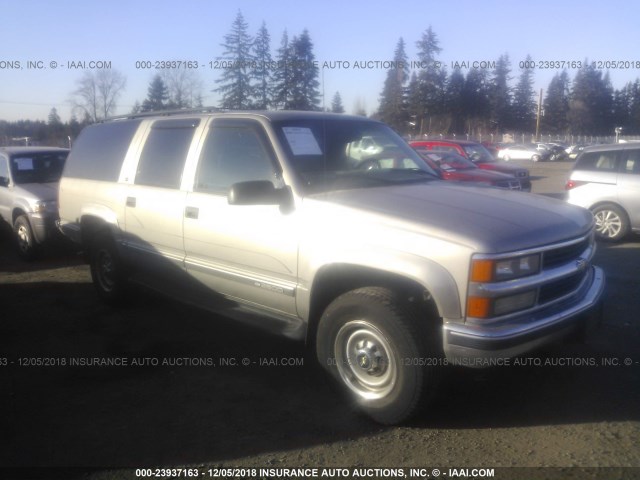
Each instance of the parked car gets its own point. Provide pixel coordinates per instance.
(451, 166)
(384, 269)
(558, 152)
(574, 150)
(29, 179)
(479, 155)
(606, 180)
(523, 152)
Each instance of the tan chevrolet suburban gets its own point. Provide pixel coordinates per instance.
(281, 219)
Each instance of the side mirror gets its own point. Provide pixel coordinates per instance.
(257, 192)
(4, 181)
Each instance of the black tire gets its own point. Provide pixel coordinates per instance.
(108, 271)
(372, 344)
(535, 158)
(26, 245)
(612, 222)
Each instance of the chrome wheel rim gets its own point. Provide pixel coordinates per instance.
(608, 223)
(105, 270)
(365, 360)
(24, 239)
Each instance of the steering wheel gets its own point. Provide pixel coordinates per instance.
(369, 164)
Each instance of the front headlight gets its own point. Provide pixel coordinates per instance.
(496, 270)
(490, 270)
(45, 206)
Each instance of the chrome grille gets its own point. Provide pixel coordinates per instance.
(560, 288)
(558, 256)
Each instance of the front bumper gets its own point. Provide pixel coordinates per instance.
(463, 342)
(43, 226)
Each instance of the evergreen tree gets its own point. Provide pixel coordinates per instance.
(556, 104)
(634, 107)
(235, 85)
(455, 100)
(415, 108)
(524, 103)
(621, 112)
(336, 104)
(475, 100)
(157, 96)
(55, 129)
(500, 94)
(304, 75)
(591, 103)
(605, 105)
(54, 119)
(430, 92)
(282, 77)
(261, 71)
(393, 104)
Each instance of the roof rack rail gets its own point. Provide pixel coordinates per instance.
(167, 113)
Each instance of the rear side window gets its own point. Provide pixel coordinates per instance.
(165, 153)
(99, 151)
(631, 163)
(599, 161)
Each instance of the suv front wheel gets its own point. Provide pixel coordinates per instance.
(25, 241)
(372, 344)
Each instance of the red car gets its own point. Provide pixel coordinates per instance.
(451, 166)
(479, 155)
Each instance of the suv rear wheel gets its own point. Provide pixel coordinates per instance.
(612, 223)
(107, 269)
(372, 344)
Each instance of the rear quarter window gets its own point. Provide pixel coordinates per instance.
(631, 162)
(99, 151)
(598, 161)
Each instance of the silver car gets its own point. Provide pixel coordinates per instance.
(606, 179)
(523, 152)
(29, 179)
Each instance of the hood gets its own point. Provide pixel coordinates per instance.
(501, 167)
(41, 191)
(478, 174)
(489, 220)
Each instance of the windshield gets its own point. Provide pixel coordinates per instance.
(42, 167)
(478, 153)
(449, 161)
(334, 154)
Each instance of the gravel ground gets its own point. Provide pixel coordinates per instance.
(203, 407)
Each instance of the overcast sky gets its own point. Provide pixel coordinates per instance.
(124, 32)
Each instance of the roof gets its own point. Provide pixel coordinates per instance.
(274, 115)
(609, 146)
(23, 150)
